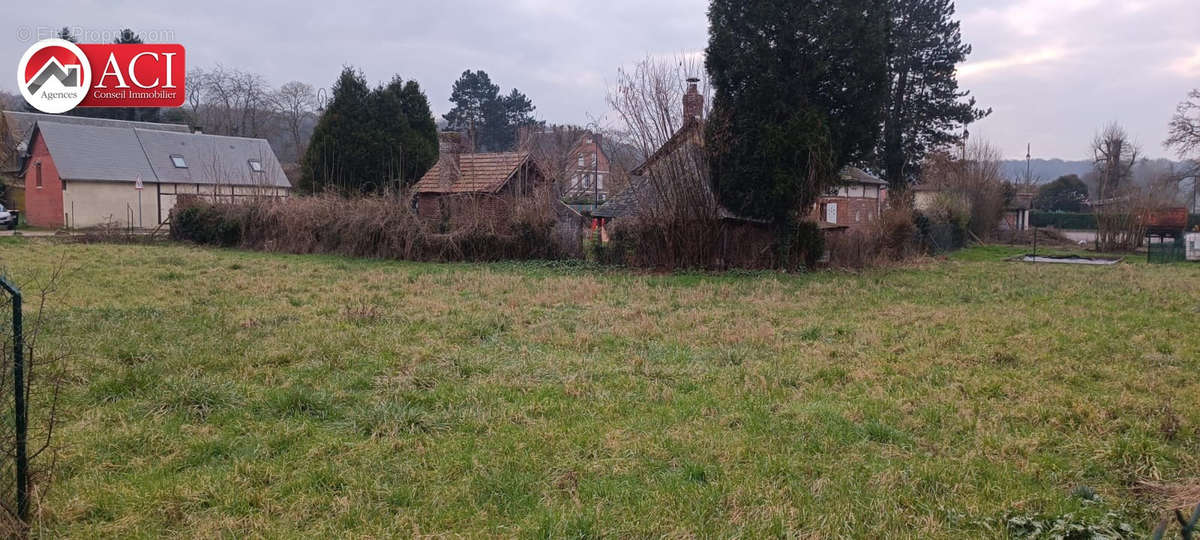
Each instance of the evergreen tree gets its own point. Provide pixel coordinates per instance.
(800, 87)
(128, 37)
(338, 149)
(1067, 194)
(488, 118)
(925, 107)
(65, 34)
(368, 140)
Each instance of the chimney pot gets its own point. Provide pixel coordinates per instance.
(693, 101)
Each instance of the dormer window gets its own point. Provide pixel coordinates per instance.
(256, 166)
(178, 161)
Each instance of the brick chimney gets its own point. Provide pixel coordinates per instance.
(451, 146)
(693, 102)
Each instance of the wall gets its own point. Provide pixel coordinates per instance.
(43, 205)
(90, 204)
(858, 213)
(581, 188)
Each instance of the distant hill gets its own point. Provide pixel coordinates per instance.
(1049, 170)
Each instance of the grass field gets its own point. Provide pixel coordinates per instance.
(217, 392)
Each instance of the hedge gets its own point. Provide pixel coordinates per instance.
(1063, 220)
(1081, 220)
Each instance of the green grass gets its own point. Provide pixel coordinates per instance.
(224, 393)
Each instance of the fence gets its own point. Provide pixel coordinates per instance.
(20, 455)
(1081, 220)
(1166, 252)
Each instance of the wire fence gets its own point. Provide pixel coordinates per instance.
(1166, 252)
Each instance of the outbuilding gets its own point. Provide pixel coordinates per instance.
(85, 175)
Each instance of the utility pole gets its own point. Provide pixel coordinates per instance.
(1029, 163)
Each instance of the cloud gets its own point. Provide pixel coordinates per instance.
(1187, 66)
(978, 69)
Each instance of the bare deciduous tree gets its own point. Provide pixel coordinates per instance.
(1184, 137)
(1184, 130)
(554, 149)
(1122, 205)
(673, 191)
(974, 191)
(294, 103)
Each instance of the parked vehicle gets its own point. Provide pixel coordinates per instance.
(8, 218)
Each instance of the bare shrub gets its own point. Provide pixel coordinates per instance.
(374, 226)
(974, 178)
(44, 374)
(678, 217)
(891, 240)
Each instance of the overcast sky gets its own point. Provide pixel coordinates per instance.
(1054, 71)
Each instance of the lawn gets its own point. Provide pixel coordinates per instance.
(226, 393)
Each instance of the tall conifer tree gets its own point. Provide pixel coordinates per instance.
(800, 88)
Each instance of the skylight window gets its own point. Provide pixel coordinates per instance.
(178, 161)
(256, 165)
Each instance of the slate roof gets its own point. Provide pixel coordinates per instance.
(625, 203)
(121, 154)
(20, 125)
(477, 173)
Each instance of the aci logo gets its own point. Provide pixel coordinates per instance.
(54, 76)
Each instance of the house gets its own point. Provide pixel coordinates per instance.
(16, 128)
(489, 183)
(1017, 211)
(744, 241)
(587, 165)
(855, 203)
(84, 175)
(924, 197)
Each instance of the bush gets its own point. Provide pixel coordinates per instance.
(894, 238)
(802, 246)
(378, 227)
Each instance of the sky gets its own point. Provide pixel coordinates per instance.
(1053, 71)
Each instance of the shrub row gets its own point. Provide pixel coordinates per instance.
(377, 227)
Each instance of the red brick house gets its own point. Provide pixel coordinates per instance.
(487, 185)
(855, 203)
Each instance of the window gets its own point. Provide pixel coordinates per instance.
(64, 185)
(580, 160)
(38, 173)
(178, 161)
(256, 165)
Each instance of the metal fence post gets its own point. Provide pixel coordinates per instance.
(19, 407)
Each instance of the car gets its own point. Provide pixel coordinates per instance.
(8, 219)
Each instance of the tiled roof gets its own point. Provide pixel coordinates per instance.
(477, 173)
